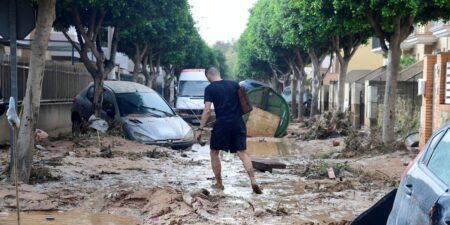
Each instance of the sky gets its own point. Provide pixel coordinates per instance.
(221, 20)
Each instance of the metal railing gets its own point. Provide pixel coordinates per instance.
(62, 81)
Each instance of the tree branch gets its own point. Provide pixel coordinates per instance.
(112, 58)
(87, 40)
(73, 43)
(80, 38)
(99, 24)
(144, 51)
(91, 26)
(99, 47)
(376, 26)
(335, 43)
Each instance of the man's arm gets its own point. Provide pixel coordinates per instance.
(206, 114)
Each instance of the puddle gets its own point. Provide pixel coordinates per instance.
(66, 218)
(267, 148)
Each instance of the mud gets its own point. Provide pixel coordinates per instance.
(142, 184)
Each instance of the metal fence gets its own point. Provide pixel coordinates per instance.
(62, 80)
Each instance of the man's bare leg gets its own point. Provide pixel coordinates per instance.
(249, 168)
(217, 168)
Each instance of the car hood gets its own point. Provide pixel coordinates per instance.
(165, 128)
(193, 103)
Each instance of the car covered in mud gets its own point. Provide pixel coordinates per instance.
(422, 196)
(143, 114)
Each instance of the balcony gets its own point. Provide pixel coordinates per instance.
(420, 35)
(440, 29)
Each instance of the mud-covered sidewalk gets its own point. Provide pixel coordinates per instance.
(77, 182)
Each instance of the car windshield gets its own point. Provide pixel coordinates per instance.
(193, 88)
(143, 104)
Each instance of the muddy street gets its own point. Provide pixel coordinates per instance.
(77, 182)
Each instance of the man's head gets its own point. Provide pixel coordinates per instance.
(212, 73)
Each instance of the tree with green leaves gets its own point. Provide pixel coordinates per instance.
(228, 50)
(344, 32)
(248, 65)
(392, 21)
(90, 18)
(167, 23)
(301, 33)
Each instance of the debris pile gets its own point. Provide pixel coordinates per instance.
(320, 170)
(359, 143)
(327, 125)
(41, 174)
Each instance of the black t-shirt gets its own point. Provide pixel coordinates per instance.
(224, 95)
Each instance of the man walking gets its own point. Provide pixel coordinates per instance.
(229, 132)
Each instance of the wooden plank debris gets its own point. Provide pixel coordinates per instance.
(264, 165)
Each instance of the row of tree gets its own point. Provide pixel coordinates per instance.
(154, 34)
(284, 36)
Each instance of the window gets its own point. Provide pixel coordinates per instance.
(108, 103)
(438, 163)
(193, 88)
(138, 104)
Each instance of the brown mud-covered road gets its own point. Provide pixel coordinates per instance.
(76, 182)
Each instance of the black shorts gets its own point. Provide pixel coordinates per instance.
(229, 137)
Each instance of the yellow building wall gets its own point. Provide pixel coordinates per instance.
(365, 59)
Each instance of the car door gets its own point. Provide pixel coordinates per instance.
(428, 181)
(108, 105)
(87, 107)
(438, 163)
(418, 191)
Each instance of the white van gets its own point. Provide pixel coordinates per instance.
(190, 94)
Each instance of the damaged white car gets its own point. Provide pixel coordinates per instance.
(145, 116)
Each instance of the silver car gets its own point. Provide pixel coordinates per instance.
(144, 115)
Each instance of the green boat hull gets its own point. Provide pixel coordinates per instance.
(268, 100)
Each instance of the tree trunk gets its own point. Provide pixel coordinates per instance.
(343, 67)
(137, 63)
(294, 91)
(315, 82)
(274, 82)
(145, 71)
(301, 106)
(98, 95)
(390, 96)
(31, 102)
(167, 82)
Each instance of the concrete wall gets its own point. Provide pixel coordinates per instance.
(54, 118)
(365, 59)
(355, 104)
(371, 104)
(406, 92)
